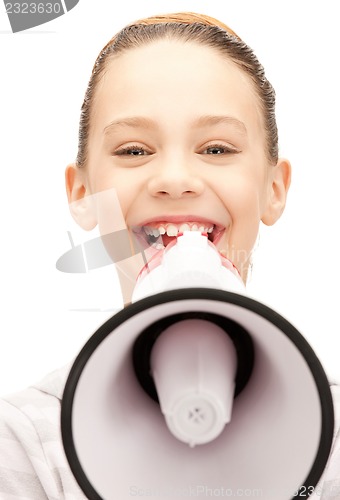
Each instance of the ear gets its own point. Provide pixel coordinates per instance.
(80, 201)
(278, 185)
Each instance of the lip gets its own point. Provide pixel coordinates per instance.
(179, 219)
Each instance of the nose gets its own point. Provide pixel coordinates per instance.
(174, 179)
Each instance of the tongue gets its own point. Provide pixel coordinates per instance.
(167, 239)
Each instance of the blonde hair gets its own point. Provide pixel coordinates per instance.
(187, 27)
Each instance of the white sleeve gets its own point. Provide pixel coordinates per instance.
(32, 460)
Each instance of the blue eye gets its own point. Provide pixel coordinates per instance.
(218, 149)
(215, 151)
(131, 151)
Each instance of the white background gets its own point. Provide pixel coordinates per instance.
(45, 315)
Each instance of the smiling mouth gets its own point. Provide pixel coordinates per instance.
(161, 234)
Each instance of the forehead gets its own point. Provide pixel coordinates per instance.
(170, 77)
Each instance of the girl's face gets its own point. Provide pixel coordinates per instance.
(177, 130)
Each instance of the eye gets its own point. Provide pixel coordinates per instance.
(132, 151)
(219, 150)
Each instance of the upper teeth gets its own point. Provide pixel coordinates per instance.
(173, 229)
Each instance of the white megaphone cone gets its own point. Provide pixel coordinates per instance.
(189, 261)
(194, 362)
(195, 389)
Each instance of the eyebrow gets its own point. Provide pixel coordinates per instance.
(201, 122)
(131, 121)
(211, 120)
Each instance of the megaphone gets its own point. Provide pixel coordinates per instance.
(196, 389)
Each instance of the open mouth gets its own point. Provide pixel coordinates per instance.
(161, 234)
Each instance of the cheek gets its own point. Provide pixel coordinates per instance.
(123, 182)
(243, 197)
(243, 200)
